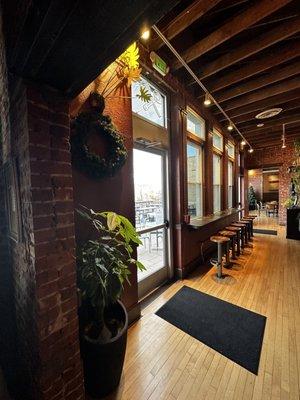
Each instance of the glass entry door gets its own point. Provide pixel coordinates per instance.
(150, 186)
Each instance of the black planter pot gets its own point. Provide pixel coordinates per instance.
(103, 363)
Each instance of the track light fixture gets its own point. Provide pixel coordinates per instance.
(207, 100)
(243, 142)
(251, 150)
(230, 127)
(145, 34)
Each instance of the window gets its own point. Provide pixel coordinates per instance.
(195, 127)
(194, 179)
(230, 149)
(217, 140)
(217, 182)
(230, 184)
(155, 109)
(195, 124)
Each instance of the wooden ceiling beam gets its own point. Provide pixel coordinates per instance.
(252, 47)
(254, 133)
(270, 121)
(251, 116)
(281, 87)
(272, 135)
(232, 27)
(182, 21)
(273, 139)
(273, 143)
(274, 132)
(262, 105)
(257, 83)
(262, 64)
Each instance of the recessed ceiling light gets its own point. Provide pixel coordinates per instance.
(260, 125)
(268, 113)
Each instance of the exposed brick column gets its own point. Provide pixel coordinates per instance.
(54, 247)
(8, 351)
(275, 156)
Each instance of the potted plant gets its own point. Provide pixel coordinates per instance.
(103, 267)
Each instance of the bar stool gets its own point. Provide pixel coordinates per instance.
(243, 230)
(251, 224)
(252, 217)
(246, 230)
(231, 235)
(220, 240)
(238, 231)
(248, 227)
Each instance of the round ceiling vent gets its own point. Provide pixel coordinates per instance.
(268, 113)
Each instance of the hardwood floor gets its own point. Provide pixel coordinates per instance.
(162, 362)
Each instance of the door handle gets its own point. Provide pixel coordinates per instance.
(167, 223)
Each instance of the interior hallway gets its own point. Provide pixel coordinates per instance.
(162, 362)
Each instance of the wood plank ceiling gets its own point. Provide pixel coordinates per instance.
(247, 54)
(66, 44)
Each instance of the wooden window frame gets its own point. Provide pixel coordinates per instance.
(220, 154)
(218, 133)
(198, 141)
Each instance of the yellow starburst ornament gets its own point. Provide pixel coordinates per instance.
(130, 62)
(130, 57)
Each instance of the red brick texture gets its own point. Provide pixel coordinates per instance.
(54, 238)
(43, 260)
(8, 354)
(275, 156)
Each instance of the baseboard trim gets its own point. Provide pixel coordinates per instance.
(134, 313)
(189, 268)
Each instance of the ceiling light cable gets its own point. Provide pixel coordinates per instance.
(283, 137)
(194, 76)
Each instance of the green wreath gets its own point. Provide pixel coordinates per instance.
(92, 164)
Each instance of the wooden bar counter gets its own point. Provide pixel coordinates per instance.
(194, 238)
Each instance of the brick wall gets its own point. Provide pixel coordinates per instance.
(8, 352)
(43, 263)
(54, 237)
(275, 156)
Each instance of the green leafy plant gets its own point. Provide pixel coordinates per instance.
(288, 203)
(103, 267)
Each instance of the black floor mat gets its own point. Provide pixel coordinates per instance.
(233, 331)
(265, 231)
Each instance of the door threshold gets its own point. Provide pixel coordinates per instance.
(146, 300)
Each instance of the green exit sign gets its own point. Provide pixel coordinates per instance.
(159, 64)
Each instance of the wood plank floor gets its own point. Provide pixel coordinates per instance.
(162, 362)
